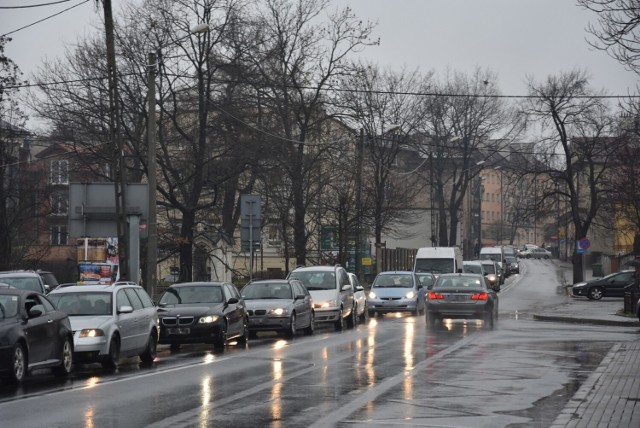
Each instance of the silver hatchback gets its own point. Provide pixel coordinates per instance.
(109, 322)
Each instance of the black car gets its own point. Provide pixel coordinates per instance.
(33, 335)
(611, 285)
(202, 312)
(513, 266)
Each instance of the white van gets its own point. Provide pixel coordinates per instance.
(438, 260)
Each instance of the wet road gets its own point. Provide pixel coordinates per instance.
(392, 371)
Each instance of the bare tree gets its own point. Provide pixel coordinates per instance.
(577, 148)
(617, 30)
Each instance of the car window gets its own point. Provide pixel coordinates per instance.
(191, 295)
(134, 299)
(122, 299)
(47, 304)
(82, 303)
(31, 283)
(316, 280)
(459, 282)
(8, 305)
(234, 291)
(393, 280)
(146, 300)
(472, 269)
(489, 268)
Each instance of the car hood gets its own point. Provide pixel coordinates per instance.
(80, 322)
(391, 291)
(323, 295)
(267, 303)
(188, 310)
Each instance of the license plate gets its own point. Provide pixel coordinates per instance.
(178, 331)
(458, 297)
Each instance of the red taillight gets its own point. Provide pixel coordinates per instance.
(480, 296)
(435, 296)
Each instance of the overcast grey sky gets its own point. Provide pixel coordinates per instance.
(514, 38)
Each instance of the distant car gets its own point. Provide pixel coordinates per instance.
(513, 266)
(492, 272)
(473, 266)
(360, 298)
(462, 296)
(426, 279)
(202, 312)
(536, 253)
(109, 321)
(332, 293)
(33, 335)
(396, 291)
(611, 285)
(25, 280)
(282, 305)
(49, 279)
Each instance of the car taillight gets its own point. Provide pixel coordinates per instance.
(435, 296)
(480, 296)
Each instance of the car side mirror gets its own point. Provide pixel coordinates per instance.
(232, 301)
(36, 311)
(346, 287)
(299, 297)
(125, 309)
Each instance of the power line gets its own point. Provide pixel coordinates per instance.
(34, 5)
(44, 19)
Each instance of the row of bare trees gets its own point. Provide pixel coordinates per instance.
(271, 100)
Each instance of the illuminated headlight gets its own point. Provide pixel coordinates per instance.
(91, 332)
(492, 278)
(329, 304)
(410, 295)
(372, 295)
(208, 319)
(278, 311)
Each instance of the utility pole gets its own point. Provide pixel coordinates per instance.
(120, 181)
(359, 161)
(152, 241)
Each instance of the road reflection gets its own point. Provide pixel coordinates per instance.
(206, 398)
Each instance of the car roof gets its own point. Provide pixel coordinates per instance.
(271, 281)
(395, 272)
(13, 291)
(471, 262)
(92, 288)
(197, 284)
(326, 268)
(19, 273)
(459, 274)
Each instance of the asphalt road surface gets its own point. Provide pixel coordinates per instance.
(391, 371)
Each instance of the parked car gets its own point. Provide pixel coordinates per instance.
(24, 280)
(492, 272)
(396, 291)
(332, 293)
(360, 297)
(536, 253)
(33, 335)
(611, 285)
(426, 279)
(513, 266)
(462, 296)
(282, 305)
(109, 321)
(202, 312)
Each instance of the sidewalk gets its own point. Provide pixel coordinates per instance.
(610, 397)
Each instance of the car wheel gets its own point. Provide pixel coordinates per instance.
(352, 320)
(221, 340)
(151, 350)
(339, 324)
(595, 293)
(244, 337)
(312, 325)
(489, 320)
(290, 332)
(365, 314)
(19, 362)
(431, 319)
(66, 359)
(110, 361)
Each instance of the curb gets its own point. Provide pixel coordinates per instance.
(574, 320)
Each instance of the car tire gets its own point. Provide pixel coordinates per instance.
(151, 350)
(489, 320)
(66, 359)
(290, 332)
(431, 320)
(595, 293)
(221, 339)
(365, 314)
(110, 361)
(352, 320)
(312, 325)
(339, 325)
(244, 337)
(19, 362)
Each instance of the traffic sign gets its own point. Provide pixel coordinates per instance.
(582, 245)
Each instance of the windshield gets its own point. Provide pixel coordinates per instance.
(393, 281)
(82, 303)
(23, 282)
(435, 266)
(460, 282)
(425, 280)
(271, 290)
(489, 268)
(187, 295)
(315, 280)
(473, 269)
(494, 257)
(8, 306)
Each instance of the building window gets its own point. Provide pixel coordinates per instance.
(59, 173)
(59, 235)
(59, 203)
(274, 235)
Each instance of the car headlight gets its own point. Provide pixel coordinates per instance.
(208, 319)
(491, 278)
(410, 295)
(329, 304)
(278, 311)
(91, 332)
(372, 295)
